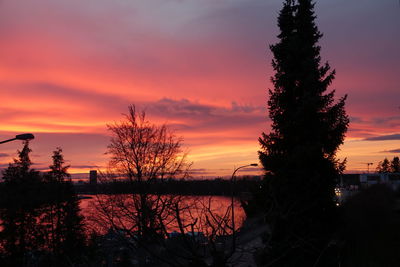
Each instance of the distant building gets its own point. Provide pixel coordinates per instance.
(93, 177)
(367, 179)
(350, 184)
(391, 179)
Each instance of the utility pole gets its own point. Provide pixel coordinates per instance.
(368, 164)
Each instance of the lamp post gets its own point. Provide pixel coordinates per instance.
(26, 136)
(232, 202)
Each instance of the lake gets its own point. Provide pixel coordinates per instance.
(210, 215)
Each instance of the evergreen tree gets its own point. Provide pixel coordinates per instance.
(20, 199)
(384, 166)
(58, 172)
(64, 225)
(395, 165)
(298, 155)
(39, 216)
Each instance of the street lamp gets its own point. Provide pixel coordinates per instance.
(232, 202)
(25, 136)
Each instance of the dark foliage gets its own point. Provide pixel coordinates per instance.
(20, 208)
(386, 166)
(39, 215)
(383, 166)
(308, 127)
(65, 236)
(395, 165)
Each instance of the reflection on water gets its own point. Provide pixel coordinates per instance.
(206, 214)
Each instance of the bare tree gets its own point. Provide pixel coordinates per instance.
(145, 152)
(142, 154)
(160, 229)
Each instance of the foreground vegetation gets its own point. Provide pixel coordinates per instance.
(39, 215)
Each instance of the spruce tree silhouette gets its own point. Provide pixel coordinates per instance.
(18, 209)
(65, 228)
(298, 155)
(39, 215)
(383, 166)
(395, 165)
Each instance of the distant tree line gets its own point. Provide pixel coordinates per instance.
(386, 166)
(40, 223)
(215, 187)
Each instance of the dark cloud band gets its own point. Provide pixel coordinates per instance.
(383, 137)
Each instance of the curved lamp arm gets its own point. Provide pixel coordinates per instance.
(25, 136)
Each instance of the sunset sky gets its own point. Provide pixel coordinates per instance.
(69, 67)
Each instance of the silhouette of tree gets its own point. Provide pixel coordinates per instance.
(395, 165)
(384, 166)
(299, 154)
(147, 160)
(19, 208)
(61, 213)
(58, 172)
(39, 214)
(144, 154)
